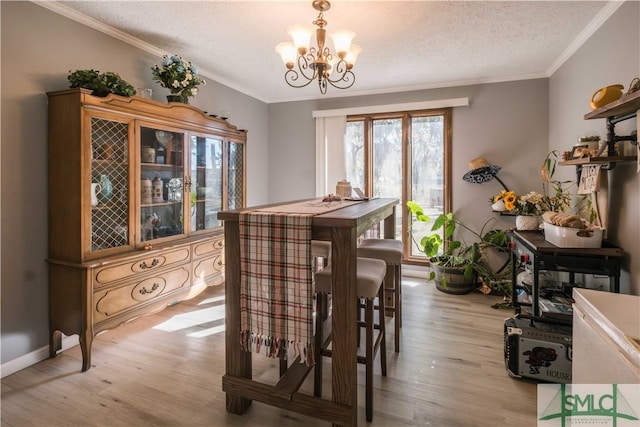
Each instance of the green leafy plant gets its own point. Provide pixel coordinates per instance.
(560, 200)
(101, 84)
(179, 76)
(443, 249)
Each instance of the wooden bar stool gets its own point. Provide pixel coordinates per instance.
(370, 284)
(320, 249)
(389, 251)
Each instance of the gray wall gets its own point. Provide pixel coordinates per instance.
(610, 56)
(39, 48)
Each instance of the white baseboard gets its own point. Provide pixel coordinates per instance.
(35, 356)
(418, 271)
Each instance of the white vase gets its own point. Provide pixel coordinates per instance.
(499, 206)
(527, 222)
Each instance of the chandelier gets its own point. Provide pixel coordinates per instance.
(319, 63)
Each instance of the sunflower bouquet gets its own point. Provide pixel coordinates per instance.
(505, 201)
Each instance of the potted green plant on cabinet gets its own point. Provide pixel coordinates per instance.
(457, 266)
(101, 84)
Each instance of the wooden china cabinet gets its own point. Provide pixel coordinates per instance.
(135, 186)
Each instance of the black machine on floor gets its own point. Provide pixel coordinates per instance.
(537, 350)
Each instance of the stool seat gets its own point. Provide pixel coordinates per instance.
(320, 248)
(370, 274)
(388, 250)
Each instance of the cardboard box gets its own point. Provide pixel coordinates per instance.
(565, 237)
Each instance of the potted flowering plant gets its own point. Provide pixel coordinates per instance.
(179, 76)
(528, 209)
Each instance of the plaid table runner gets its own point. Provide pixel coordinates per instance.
(276, 291)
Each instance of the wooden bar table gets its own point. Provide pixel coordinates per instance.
(342, 227)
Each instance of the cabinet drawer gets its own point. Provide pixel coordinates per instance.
(209, 247)
(152, 262)
(113, 301)
(209, 271)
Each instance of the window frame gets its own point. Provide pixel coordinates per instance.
(406, 116)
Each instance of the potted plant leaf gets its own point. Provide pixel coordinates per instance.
(101, 84)
(458, 266)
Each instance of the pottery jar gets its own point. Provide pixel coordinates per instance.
(343, 188)
(157, 190)
(145, 191)
(148, 155)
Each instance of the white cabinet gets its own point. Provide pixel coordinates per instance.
(606, 338)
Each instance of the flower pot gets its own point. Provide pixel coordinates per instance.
(451, 280)
(527, 222)
(499, 206)
(177, 98)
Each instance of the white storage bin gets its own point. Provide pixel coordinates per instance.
(565, 237)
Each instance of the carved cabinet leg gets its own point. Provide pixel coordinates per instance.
(55, 343)
(86, 339)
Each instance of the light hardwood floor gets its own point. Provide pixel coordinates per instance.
(166, 369)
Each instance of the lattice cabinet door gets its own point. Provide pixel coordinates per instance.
(110, 220)
(235, 175)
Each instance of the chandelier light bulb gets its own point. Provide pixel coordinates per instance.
(352, 56)
(288, 53)
(342, 42)
(301, 37)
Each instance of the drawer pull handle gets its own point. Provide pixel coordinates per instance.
(143, 264)
(144, 290)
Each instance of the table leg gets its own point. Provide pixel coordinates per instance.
(390, 225)
(343, 290)
(238, 362)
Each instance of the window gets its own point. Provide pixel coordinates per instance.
(403, 155)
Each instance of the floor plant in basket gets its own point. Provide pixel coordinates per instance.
(457, 266)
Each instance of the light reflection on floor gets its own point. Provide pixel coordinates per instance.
(212, 311)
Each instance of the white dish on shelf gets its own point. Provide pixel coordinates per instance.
(565, 237)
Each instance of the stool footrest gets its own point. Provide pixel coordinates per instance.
(291, 381)
(326, 352)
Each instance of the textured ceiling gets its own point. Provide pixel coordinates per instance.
(405, 45)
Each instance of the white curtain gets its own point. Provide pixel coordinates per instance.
(330, 160)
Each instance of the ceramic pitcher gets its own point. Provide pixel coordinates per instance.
(106, 190)
(95, 189)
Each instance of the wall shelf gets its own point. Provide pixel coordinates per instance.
(625, 105)
(597, 160)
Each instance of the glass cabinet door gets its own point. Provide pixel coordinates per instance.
(161, 184)
(206, 182)
(235, 176)
(109, 184)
